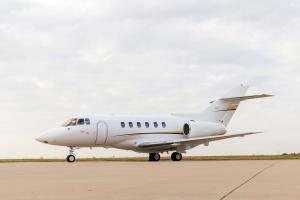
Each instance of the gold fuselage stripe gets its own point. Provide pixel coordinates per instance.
(153, 133)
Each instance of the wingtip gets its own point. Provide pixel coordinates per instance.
(269, 95)
(257, 132)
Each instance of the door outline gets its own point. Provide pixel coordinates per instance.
(106, 135)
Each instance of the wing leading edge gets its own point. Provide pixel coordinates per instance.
(243, 98)
(193, 141)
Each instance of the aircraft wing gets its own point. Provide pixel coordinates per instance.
(192, 141)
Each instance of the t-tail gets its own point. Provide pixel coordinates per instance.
(223, 109)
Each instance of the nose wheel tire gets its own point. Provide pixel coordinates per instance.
(71, 158)
(154, 157)
(176, 156)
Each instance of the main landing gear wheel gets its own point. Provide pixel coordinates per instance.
(154, 157)
(71, 158)
(176, 156)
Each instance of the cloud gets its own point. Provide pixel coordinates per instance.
(66, 57)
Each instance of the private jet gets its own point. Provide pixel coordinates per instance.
(174, 133)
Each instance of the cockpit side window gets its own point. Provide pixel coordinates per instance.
(87, 121)
(80, 122)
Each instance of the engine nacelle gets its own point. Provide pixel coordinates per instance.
(194, 129)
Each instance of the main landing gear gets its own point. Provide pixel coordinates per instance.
(176, 156)
(71, 158)
(154, 157)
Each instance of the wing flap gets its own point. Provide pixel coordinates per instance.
(193, 141)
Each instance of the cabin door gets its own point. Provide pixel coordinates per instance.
(102, 132)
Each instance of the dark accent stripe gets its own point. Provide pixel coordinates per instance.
(227, 110)
(158, 133)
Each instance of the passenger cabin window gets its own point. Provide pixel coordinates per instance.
(130, 124)
(163, 124)
(87, 121)
(155, 124)
(123, 124)
(80, 122)
(139, 125)
(147, 124)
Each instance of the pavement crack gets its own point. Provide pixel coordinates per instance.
(246, 181)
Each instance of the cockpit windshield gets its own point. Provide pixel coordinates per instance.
(70, 122)
(75, 121)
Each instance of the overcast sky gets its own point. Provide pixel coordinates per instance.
(63, 58)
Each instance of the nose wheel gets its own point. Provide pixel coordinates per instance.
(176, 156)
(71, 158)
(154, 157)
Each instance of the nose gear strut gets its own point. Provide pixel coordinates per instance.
(71, 158)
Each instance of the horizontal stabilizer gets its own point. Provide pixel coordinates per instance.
(192, 141)
(243, 98)
(222, 110)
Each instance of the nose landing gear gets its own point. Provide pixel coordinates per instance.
(71, 158)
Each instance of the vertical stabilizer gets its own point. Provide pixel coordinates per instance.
(223, 109)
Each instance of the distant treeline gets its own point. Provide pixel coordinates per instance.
(284, 156)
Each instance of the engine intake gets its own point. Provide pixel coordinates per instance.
(194, 129)
(186, 129)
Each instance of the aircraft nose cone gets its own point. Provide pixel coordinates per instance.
(55, 136)
(42, 139)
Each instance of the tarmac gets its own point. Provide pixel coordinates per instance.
(165, 180)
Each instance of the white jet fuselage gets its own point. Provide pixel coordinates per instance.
(127, 132)
(152, 134)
